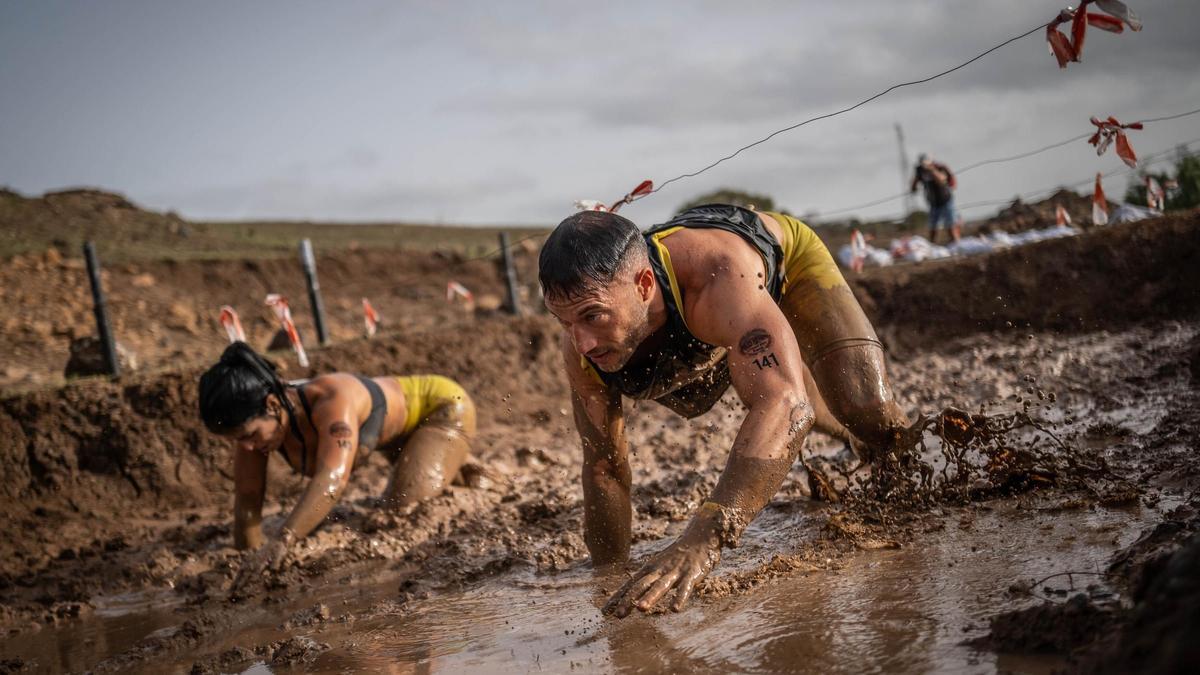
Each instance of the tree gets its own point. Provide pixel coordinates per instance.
(735, 197)
(1182, 188)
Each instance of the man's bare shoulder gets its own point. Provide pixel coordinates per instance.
(701, 257)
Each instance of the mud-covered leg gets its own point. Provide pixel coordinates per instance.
(843, 354)
(824, 419)
(864, 402)
(819, 485)
(432, 456)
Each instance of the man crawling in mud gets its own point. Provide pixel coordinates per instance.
(321, 428)
(717, 295)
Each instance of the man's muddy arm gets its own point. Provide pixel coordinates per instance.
(768, 374)
(608, 514)
(759, 461)
(250, 486)
(606, 476)
(336, 445)
(766, 369)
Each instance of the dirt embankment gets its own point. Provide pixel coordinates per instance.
(1020, 216)
(167, 312)
(91, 454)
(138, 439)
(1107, 278)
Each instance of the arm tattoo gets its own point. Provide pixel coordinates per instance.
(756, 341)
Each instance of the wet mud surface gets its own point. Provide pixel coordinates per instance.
(436, 586)
(117, 554)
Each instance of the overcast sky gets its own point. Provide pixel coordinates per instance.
(506, 112)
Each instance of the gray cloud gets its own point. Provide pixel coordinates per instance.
(480, 112)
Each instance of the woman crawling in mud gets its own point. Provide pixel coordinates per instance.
(321, 427)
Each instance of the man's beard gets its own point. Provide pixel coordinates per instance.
(628, 346)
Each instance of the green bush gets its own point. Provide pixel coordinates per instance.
(735, 197)
(1186, 194)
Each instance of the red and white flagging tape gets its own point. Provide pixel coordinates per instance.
(643, 188)
(1156, 197)
(1067, 49)
(456, 290)
(279, 305)
(1099, 204)
(1061, 217)
(233, 326)
(370, 318)
(1111, 129)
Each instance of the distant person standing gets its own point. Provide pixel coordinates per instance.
(939, 184)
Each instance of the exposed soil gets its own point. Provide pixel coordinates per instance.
(117, 496)
(166, 311)
(1020, 216)
(1106, 278)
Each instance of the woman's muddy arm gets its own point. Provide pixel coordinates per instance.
(250, 486)
(336, 445)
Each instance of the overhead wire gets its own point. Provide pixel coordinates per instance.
(1145, 161)
(810, 120)
(847, 109)
(855, 106)
(999, 160)
(995, 202)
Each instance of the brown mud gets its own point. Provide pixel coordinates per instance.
(117, 553)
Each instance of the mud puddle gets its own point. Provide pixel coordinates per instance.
(906, 611)
(117, 623)
(125, 623)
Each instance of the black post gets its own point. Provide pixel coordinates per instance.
(314, 289)
(510, 276)
(101, 308)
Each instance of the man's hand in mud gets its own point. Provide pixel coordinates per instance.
(680, 567)
(256, 564)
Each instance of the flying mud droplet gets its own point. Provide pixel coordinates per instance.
(956, 426)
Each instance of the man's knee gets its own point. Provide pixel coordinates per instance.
(871, 415)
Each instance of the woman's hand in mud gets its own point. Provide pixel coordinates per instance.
(680, 567)
(257, 563)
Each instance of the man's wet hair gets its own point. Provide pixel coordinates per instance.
(235, 390)
(586, 251)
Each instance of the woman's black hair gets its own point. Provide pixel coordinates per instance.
(235, 390)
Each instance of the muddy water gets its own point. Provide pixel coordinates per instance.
(117, 623)
(906, 611)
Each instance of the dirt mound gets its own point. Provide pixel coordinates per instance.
(167, 312)
(1107, 278)
(69, 217)
(104, 451)
(1157, 631)
(1163, 633)
(1050, 627)
(1019, 216)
